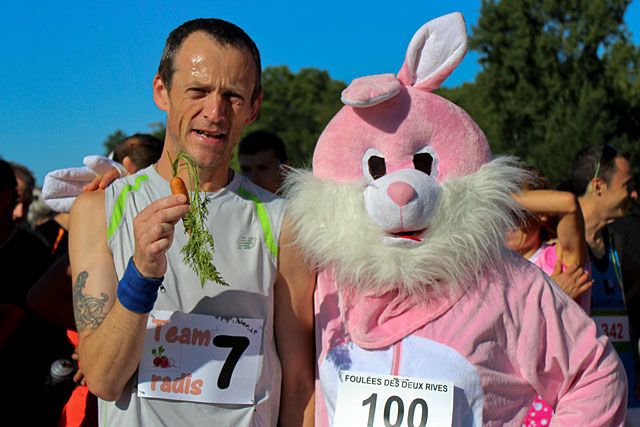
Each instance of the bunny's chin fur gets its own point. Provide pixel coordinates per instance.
(466, 236)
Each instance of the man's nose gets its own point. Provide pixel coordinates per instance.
(214, 108)
(634, 194)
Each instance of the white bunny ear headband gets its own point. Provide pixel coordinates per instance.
(434, 52)
(62, 186)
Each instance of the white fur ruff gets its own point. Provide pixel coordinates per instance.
(466, 236)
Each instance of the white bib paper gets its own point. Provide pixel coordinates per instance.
(200, 358)
(374, 400)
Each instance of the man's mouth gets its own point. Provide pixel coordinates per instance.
(209, 135)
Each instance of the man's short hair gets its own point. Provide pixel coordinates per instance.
(142, 149)
(23, 173)
(591, 162)
(223, 32)
(262, 140)
(8, 180)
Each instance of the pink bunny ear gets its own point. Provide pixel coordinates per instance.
(371, 90)
(435, 50)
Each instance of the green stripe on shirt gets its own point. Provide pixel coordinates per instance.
(118, 208)
(264, 220)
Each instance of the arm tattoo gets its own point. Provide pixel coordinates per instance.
(88, 310)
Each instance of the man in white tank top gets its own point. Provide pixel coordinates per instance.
(155, 346)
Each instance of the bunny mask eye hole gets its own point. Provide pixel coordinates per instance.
(373, 164)
(423, 162)
(377, 167)
(426, 160)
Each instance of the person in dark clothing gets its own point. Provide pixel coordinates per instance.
(28, 343)
(603, 182)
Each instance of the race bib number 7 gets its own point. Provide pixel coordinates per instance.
(372, 400)
(200, 358)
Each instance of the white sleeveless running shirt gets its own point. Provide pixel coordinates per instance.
(245, 221)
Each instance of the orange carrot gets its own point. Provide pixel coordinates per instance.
(178, 187)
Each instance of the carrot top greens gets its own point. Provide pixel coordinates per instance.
(199, 250)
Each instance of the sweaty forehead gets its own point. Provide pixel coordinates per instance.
(200, 55)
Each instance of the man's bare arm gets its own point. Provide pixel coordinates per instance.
(294, 317)
(111, 336)
(572, 247)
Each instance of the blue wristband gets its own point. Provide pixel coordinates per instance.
(136, 292)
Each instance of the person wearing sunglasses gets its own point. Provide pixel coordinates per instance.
(602, 180)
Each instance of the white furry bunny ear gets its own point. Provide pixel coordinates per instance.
(435, 50)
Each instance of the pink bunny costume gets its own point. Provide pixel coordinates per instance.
(404, 215)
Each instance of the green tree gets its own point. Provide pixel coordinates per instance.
(158, 129)
(556, 76)
(297, 107)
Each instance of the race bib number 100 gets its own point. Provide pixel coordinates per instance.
(372, 400)
(200, 358)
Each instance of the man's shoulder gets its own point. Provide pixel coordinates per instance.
(255, 193)
(88, 201)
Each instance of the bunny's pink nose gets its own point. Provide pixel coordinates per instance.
(401, 193)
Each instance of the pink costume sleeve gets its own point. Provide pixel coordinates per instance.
(571, 367)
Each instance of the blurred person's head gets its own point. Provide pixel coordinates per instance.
(26, 183)
(39, 211)
(138, 151)
(601, 176)
(261, 155)
(8, 192)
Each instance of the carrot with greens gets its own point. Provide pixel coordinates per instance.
(199, 250)
(179, 187)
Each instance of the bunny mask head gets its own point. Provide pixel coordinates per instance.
(404, 194)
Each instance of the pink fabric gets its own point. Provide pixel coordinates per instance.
(371, 90)
(398, 128)
(519, 331)
(540, 412)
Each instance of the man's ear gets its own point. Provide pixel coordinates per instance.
(254, 110)
(160, 93)
(596, 186)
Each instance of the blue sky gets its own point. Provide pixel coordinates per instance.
(73, 72)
